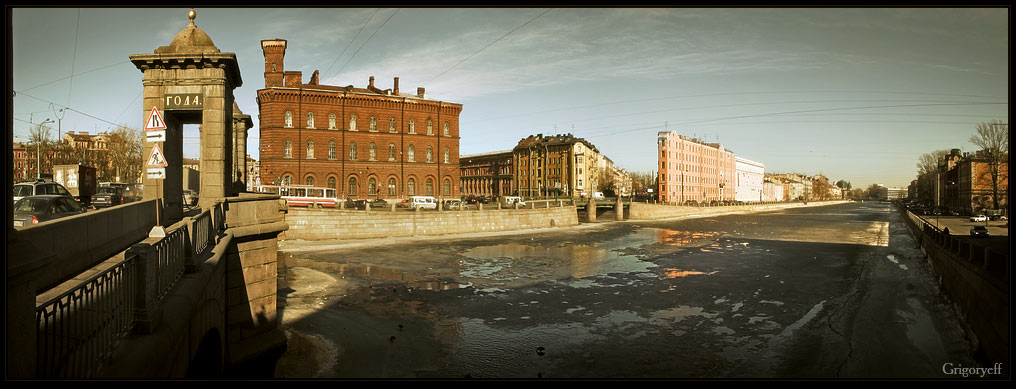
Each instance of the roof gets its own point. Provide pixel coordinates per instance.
(489, 154)
(190, 40)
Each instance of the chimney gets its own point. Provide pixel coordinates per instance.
(421, 93)
(396, 86)
(371, 84)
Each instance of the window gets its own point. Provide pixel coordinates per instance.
(430, 187)
(287, 180)
(352, 186)
(310, 180)
(430, 154)
(447, 189)
(391, 152)
(310, 119)
(352, 123)
(352, 151)
(373, 124)
(391, 187)
(289, 119)
(331, 150)
(412, 126)
(331, 121)
(331, 182)
(430, 127)
(411, 187)
(446, 132)
(391, 124)
(273, 66)
(372, 187)
(310, 149)
(412, 153)
(289, 148)
(446, 155)
(373, 151)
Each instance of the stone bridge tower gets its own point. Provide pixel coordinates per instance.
(191, 82)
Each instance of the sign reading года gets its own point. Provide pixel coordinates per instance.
(184, 101)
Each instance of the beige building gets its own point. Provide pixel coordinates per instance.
(560, 165)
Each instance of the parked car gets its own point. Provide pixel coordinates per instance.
(108, 196)
(190, 198)
(362, 203)
(37, 209)
(422, 202)
(452, 204)
(979, 218)
(40, 187)
(979, 232)
(509, 200)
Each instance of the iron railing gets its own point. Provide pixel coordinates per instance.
(79, 329)
(202, 232)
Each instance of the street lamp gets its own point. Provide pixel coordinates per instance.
(38, 150)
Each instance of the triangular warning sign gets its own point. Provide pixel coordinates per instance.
(155, 121)
(157, 159)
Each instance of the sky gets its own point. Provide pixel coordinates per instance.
(856, 94)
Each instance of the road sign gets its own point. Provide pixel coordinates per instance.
(157, 159)
(155, 121)
(157, 173)
(155, 136)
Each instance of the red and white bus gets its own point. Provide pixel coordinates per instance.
(302, 195)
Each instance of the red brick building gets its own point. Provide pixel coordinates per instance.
(365, 142)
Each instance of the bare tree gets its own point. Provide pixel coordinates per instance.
(39, 140)
(993, 139)
(125, 147)
(927, 172)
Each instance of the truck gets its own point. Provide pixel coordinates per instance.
(78, 179)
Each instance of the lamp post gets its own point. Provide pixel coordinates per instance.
(38, 149)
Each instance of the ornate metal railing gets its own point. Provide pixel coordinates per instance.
(79, 329)
(171, 251)
(202, 232)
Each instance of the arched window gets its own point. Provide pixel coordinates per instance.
(289, 118)
(446, 132)
(273, 66)
(430, 187)
(391, 124)
(446, 190)
(289, 148)
(412, 153)
(411, 187)
(430, 127)
(287, 179)
(373, 151)
(446, 155)
(352, 151)
(310, 180)
(310, 119)
(430, 154)
(373, 124)
(331, 182)
(391, 151)
(352, 186)
(372, 187)
(412, 126)
(391, 186)
(310, 149)
(352, 123)
(331, 121)
(331, 150)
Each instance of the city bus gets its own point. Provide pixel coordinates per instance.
(302, 195)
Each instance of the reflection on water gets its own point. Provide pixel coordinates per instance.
(427, 282)
(676, 273)
(684, 238)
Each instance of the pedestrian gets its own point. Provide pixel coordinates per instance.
(946, 230)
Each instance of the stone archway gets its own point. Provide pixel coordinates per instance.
(191, 82)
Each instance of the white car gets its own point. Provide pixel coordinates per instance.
(422, 202)
(979, 218)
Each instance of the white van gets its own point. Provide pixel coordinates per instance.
(598, 196)
(422, 202)
(509, 200)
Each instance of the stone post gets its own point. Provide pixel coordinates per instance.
(591, 209)
(147, 313)
(479, 205)
(366, 206)
(440, 205)
(393, 207)
(619, 209)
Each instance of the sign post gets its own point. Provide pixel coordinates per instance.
(155, 129)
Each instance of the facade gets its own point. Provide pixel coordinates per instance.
(20, 164)
(365, 142)
(772, 189)
(748, 180)
(835, 192)
(253, 173)
(692, 170)
(487, 174)
(558, 165)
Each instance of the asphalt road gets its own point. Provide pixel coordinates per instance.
(835, 291)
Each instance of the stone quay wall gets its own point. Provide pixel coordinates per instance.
(640, 211)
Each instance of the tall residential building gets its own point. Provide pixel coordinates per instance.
(692, 170)
(558, 165)
(366, 142)
(487, 174)
(748, 179)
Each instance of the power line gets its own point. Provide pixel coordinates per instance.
(70, 109)
(74, 75)
(353, 40)
(365, 42)
(488, 45)
(74, 57)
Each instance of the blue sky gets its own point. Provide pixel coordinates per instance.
(854, 94)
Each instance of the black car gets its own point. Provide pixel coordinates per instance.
(37, 209)
(108, 196)
(979, 232)
(362, 204)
